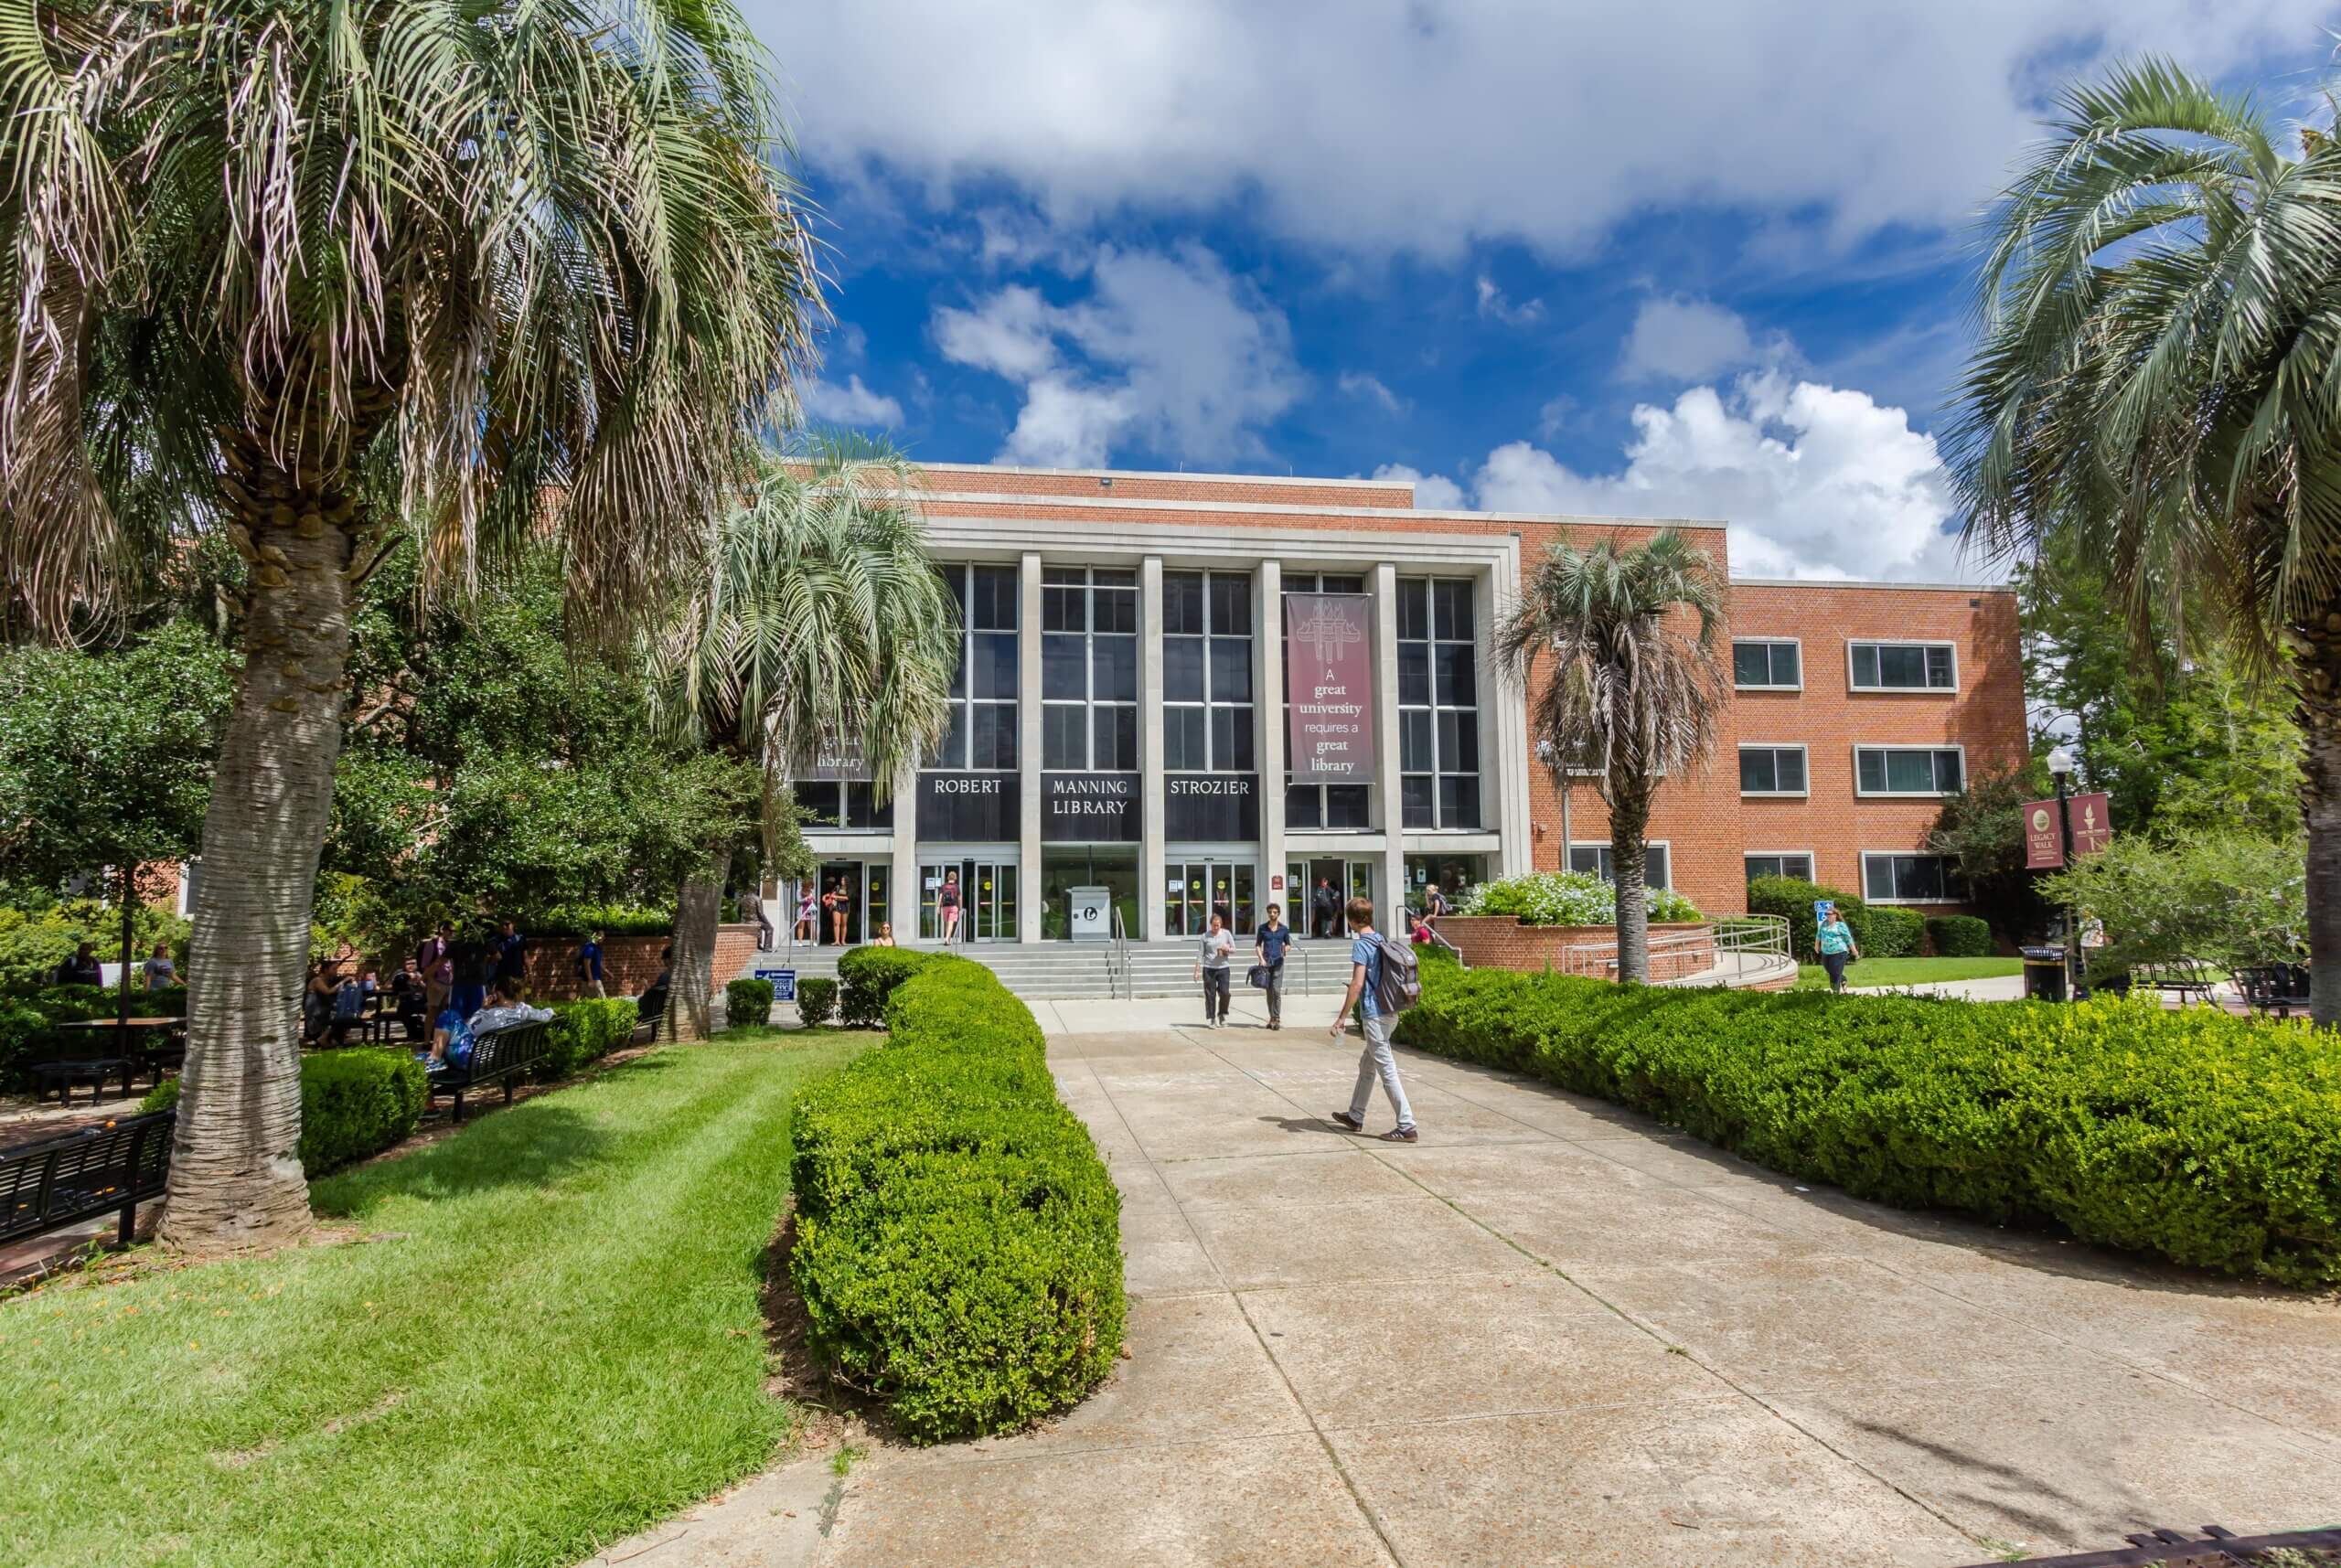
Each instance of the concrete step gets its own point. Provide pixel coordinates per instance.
(1066, 971)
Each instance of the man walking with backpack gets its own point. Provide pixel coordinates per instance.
(1382, 981)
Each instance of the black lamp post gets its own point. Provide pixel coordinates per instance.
(2060, 768)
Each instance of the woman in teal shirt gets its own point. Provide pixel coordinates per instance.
(1834, 943)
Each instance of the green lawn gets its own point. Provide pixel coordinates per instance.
(550, 1339)
(1909, 971)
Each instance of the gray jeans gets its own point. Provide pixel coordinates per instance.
(1275, 992)
(1378, 1060)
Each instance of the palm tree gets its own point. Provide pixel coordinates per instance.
(322, 277)
(821, 620)
(2157, 385)
(1633, 693)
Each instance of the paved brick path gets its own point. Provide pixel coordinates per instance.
(1552, 1333)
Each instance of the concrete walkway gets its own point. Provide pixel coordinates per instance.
(1552, 1333)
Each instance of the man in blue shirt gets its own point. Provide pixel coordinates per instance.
(1268, 944)
(1377, 1060)
(589, 967)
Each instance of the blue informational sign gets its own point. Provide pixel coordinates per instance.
(784, 983)
(1821, 908)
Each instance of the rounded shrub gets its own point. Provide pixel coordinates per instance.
(1894, 933)
(816, 1001)
(747, 1003)
(1959, 936)
(2204, 1138)
(958, 1239)
(869, 976)
(354, 1103)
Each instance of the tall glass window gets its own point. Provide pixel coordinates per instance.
(1321, 806)
(1207, 673)
(1438, 704)
(982, 737)
(1088, 669)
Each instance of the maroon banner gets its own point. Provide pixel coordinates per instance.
(2043, 834)
(2044, 843)
(1328, 687)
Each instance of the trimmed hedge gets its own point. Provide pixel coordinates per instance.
(816, 1001)
(747, 1001)
(958, 1240)
(869, 976)
(1792, 897)
(1959, 936)
(2208, 1139)
(354, 1103)
(582, 1031)
(1894, 933)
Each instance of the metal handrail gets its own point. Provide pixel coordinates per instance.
(1743, 943)
(1119, 985)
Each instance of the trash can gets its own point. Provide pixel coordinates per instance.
(2044, 973)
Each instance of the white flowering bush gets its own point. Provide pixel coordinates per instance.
(1568, 898)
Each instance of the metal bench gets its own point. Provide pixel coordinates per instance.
(61, 1180)
(500, 1056)
(2278, 988)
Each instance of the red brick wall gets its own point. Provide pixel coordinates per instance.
(1500, 941)
(1985, 715)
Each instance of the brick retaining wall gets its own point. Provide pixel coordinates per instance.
(1501, 942)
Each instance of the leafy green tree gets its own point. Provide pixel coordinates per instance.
(2170, 727)
(105, 761)
(498, 772)
(2153, 389)
(1982, 828)
(2226, 897)
(1634, 691)
(822, 621)
(308, 275)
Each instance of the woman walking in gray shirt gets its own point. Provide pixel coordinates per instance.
(1211, 967)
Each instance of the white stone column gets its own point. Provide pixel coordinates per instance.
(1385, 722)
(1504, 741)
(1268, 697)
(904, 901)
(1028, 749)
(1151, 868)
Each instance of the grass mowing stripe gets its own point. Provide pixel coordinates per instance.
(563, 1345)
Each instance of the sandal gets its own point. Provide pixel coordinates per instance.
(1400, 1135)
(1349, 1120)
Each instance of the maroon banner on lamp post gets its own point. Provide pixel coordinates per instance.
(2043, 834)
(1328, 687)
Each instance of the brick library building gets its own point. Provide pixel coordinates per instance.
(1204, 692)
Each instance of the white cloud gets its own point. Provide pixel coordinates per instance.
(1358, 384)
(1676, 339)
(1433, 492)
(852, 403)
(1546, 124)
(1172, 352)
(1495, 306)
(1814, 481)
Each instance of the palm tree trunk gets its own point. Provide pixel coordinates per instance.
(2319, 675)
(236, 1177)
(699, 910)
(1628, 818)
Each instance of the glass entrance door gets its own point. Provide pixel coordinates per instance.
(986, 890)
(839, 890)
(1309, 908)
(1194, 889)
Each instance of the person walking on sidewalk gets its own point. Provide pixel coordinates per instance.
(1268, 944)
(1833, 941)
(1211, 967)
(1377, 1059)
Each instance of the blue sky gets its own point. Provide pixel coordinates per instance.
(1660, 258)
